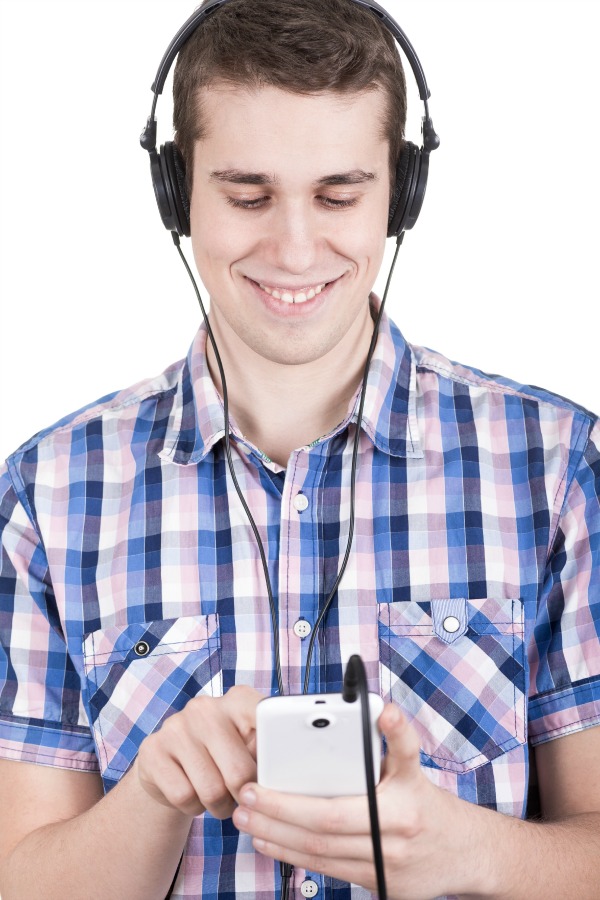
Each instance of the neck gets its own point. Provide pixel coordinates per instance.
(281, 407)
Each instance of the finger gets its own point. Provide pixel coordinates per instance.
(169, 786)
(181, 738)
(207, 779)
(403, 751)
(228, 750)
(324, 815)
(355, 871)
(241, 701)
(176, 741)
(308, 843)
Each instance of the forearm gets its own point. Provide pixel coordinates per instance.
(127, 845)
(503, 858)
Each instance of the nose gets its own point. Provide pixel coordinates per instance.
(295, 238)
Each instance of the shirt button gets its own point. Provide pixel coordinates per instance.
(142, 648)
(451, 624)
(245, 449)
(301, 503)
(309, 888)
(302, 629)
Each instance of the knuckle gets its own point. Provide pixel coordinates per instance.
(182, 796)
(171, 726)
(150, 758)
(316, 846)
(411, 824)
(240, 695)
(215, 794)
(241, 772)
(200, 705)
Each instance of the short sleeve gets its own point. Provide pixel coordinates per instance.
(41, 714)
(565, 650)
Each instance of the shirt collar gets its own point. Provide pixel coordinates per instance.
(390, 414)
(196, 421)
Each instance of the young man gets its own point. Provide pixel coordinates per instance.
(136, 636)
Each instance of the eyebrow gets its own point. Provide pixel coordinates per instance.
(237, 176)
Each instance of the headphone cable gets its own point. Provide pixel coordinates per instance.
(259, 542)
(285, 868)
(363, 392)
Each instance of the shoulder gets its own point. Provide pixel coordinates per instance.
(521, 427)
(479, 382)
(112, 422)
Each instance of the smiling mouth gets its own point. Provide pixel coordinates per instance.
(293, 296)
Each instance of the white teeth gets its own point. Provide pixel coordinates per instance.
(289, 297)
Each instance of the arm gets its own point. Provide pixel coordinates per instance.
(566, 844)
(63, 834)
(59, 837)
(434, 843)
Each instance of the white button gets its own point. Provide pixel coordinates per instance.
(245, 449)
(302, 629)
(309, 888)
(451, 624)
(301, 503)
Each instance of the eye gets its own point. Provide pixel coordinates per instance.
(332, 203)
(255, 203)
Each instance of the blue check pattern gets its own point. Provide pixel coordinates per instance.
(130, 579)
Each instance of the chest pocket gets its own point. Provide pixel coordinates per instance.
(140, 674)
(457, 668)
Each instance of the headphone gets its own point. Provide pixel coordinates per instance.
(167, 168)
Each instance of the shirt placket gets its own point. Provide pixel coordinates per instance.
(299, 565)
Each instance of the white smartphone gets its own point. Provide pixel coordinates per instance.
(312, 744)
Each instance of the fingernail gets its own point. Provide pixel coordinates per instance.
(248, 797)
(242, 817)
(258, 843)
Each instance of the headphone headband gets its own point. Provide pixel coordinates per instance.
(197, 17)
(167, 167)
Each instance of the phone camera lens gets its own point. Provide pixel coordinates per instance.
(320, 723)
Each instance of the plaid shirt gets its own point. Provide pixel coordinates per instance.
(131, 581)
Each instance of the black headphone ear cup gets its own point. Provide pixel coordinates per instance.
(403, 189)
(174, 167)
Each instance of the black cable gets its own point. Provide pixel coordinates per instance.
(285, 868)
(363, 392)
(259, 542)
(355, 683)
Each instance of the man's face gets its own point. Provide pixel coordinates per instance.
(289, 217)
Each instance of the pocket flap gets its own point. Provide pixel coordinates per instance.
(450, 618)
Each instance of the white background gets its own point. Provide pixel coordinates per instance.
(500, 272)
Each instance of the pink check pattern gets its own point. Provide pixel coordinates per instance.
(130, 579)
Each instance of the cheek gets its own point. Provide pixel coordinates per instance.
(217, 241)
(366, 237)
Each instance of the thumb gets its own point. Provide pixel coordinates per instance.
(402, 757)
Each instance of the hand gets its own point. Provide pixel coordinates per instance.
(202, 756)
(333, 836)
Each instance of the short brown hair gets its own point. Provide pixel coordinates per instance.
(301, 46)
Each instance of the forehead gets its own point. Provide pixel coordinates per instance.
(279, 131)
